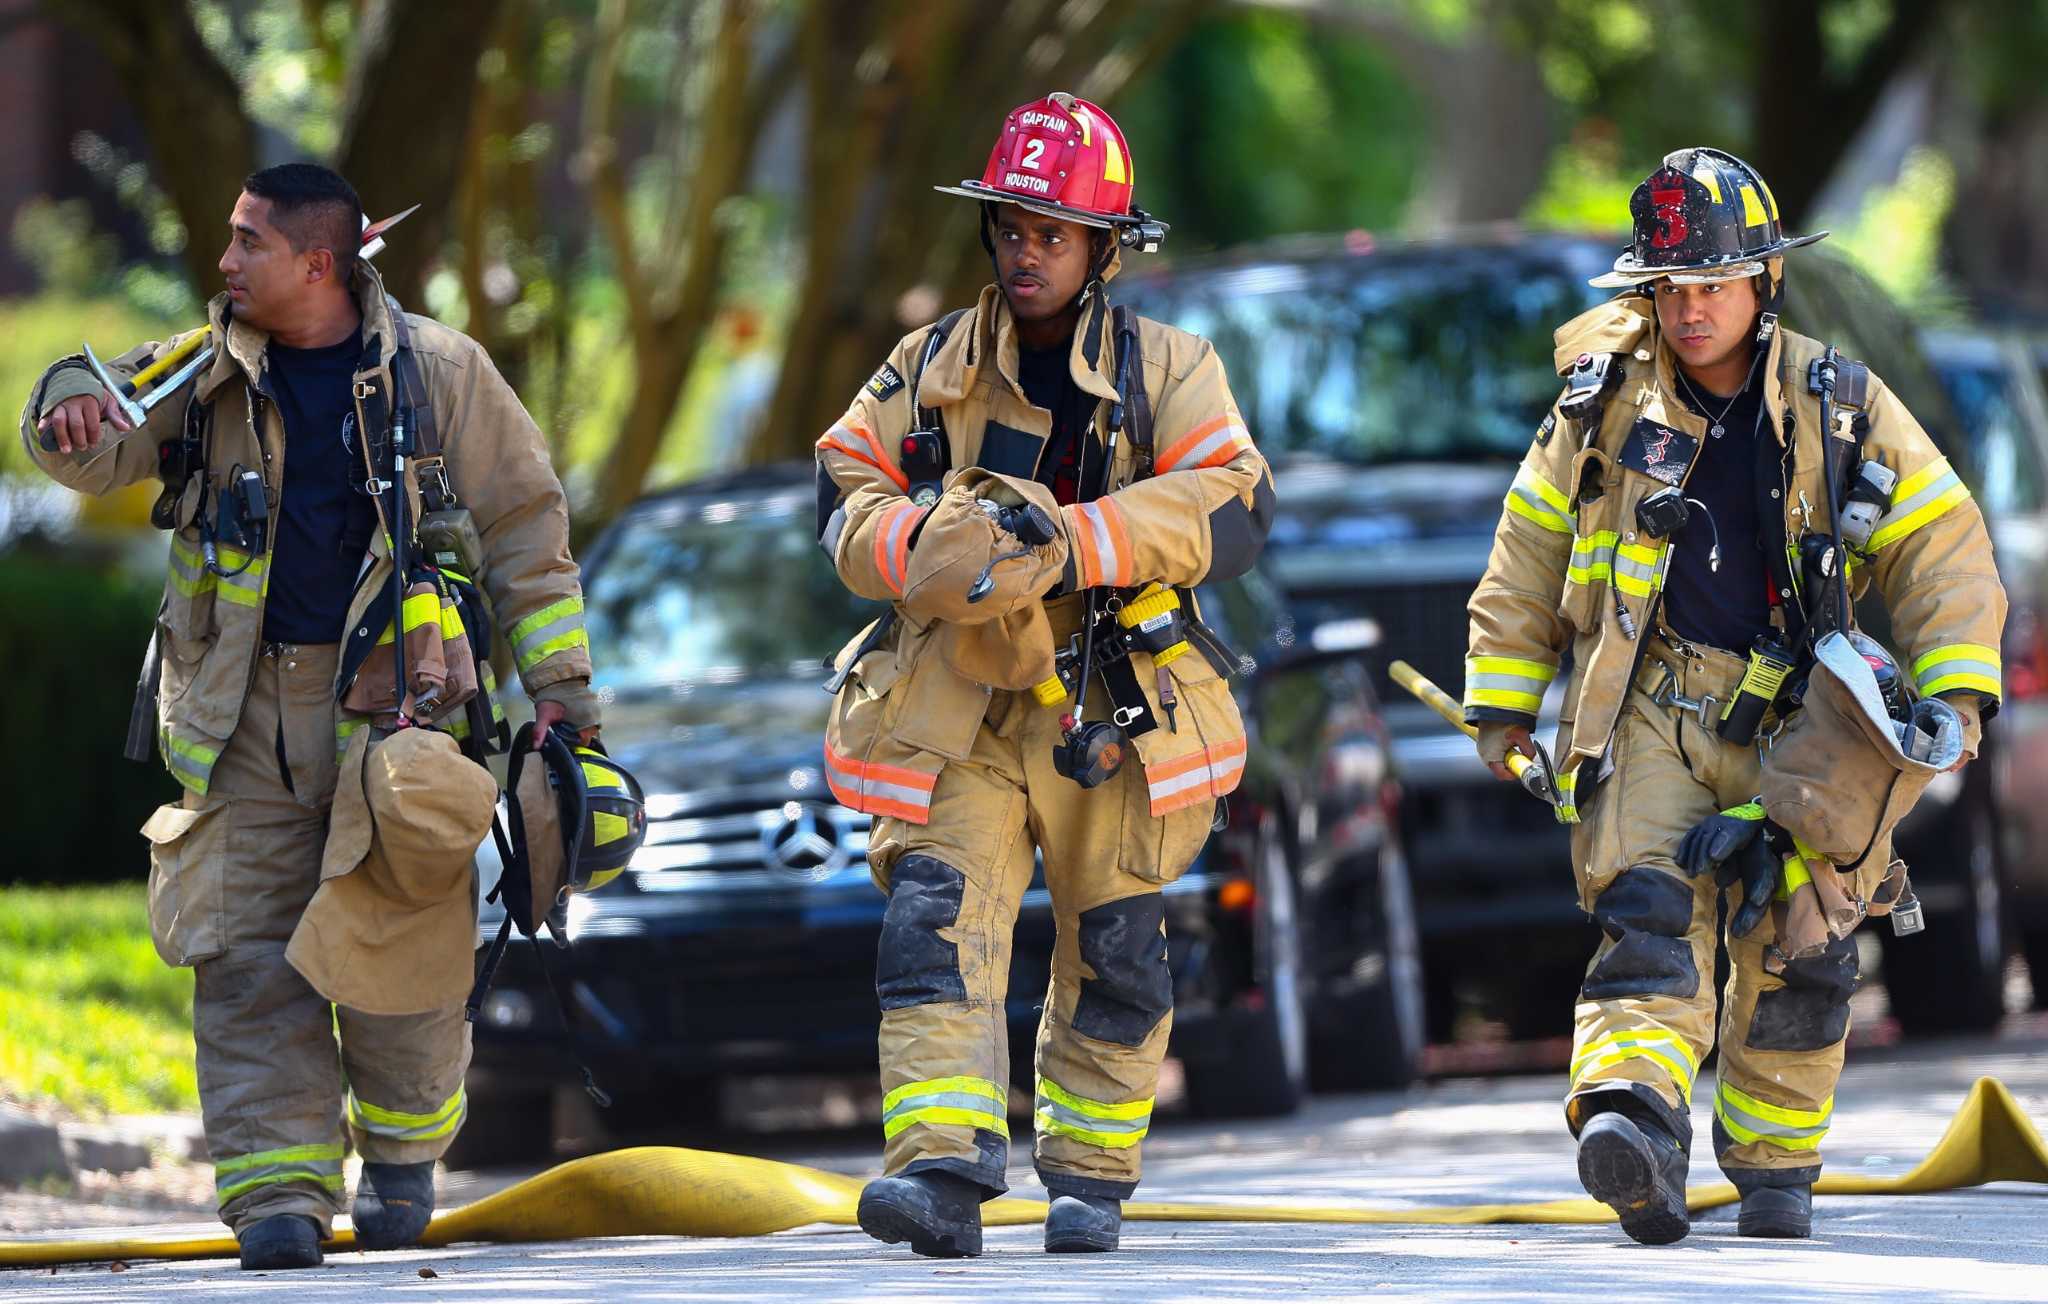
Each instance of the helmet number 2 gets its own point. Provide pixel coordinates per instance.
(1033, 150)
(1671, 228)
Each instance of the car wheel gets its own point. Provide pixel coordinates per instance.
(1951, 978)
(1267, 1073)
(505, 1127)
(1384, 1025)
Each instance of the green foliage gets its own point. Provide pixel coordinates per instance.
(89, 1016)
(1265, 124)
(1896, 238)
(72, 643)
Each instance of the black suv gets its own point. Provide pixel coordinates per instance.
(741, 940)
(1394, 389)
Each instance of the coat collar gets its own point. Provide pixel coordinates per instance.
(989, 331)
(1774, 389)
(247, 346)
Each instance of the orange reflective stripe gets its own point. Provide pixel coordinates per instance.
(1104, 544)
(1212, 443)
(872, 454)
(892, 543)
(879, 789)
(1198, 777)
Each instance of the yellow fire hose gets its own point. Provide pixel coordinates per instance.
(661, 1191)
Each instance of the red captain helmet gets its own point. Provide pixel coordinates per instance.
(1065, 158)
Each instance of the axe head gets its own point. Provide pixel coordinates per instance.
(373, 232)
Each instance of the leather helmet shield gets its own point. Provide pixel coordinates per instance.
(395, 933)
(537, 836)
(1703, 215)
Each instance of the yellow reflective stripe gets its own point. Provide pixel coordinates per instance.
(318, 1164)
(1664, 1048)
(1793, 875)
(609, 828)
(534, 656)
(1567, 784)
(936, 1115)
(1748, 1119)
(1959, 665)
(1538, 500)
(396, 1123)
(972, 1086)
(1507, 682)
(1050, 1123)
(547, 615)
(1134, 1109)
(1921, 497)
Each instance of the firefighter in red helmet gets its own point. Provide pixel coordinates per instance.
(1034, 484)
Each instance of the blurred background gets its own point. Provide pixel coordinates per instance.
(687, 231)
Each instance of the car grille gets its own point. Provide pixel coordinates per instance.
(1422, 624)
(697, 843)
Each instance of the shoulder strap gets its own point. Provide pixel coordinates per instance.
(410, 388)
(925, 461)
(1137, 403)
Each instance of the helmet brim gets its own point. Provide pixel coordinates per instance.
(1628, 272)
(989, 194)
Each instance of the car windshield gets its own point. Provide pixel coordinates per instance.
(1980, 385)
(708, 590)
(1443, 356)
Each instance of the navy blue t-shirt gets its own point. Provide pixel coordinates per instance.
(1730, 607)
(324, 520)
(1048, 381)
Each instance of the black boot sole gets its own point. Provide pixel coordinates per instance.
(1790, 1220)
(891, 1224)
(1623, 1176)
(1773, 1229)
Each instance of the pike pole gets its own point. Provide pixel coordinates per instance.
(1534, 772)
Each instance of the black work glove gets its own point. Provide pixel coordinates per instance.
(1733, 845)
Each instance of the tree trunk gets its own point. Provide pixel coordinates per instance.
(190, 109)
(406, 118)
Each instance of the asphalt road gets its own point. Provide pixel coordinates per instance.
(1456, 1141)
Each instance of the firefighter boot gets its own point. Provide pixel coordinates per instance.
(1637, 1170)
(1782, 1212)
(1082, 1224)
(284, 1240)
(938, 1213)
(393, 1204)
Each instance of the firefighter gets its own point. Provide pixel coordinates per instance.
(280, 546)
(1673, 530)
(1011, 480)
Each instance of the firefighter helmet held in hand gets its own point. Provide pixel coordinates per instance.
(577, 819)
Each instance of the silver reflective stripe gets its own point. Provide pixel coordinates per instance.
(1059, 1113)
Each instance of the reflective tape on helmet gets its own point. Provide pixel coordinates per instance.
(557, 627)
(1923, 496)
(1507, 682)
(1959, 665)
(1658, 1046)
(1197, 777)
(1102, 545)
(317, 1165)
(1059, 1112)
(946, 1102)
(397, 1125)
(1536, 499)
(1747, 1119)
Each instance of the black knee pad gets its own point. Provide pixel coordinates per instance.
(1648, 914)
(1132, 989)
(1811, 1011)
(913, 964)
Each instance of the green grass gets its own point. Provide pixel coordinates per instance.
(90, 1017)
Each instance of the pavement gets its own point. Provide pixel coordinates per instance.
(1454, 1141)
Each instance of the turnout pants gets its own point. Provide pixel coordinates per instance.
(943, 963)
(284, 1075)
(1645, 1017)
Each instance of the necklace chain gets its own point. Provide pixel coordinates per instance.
(1716, 425)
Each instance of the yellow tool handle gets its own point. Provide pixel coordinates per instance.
(1436, 699)
(169, 360)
